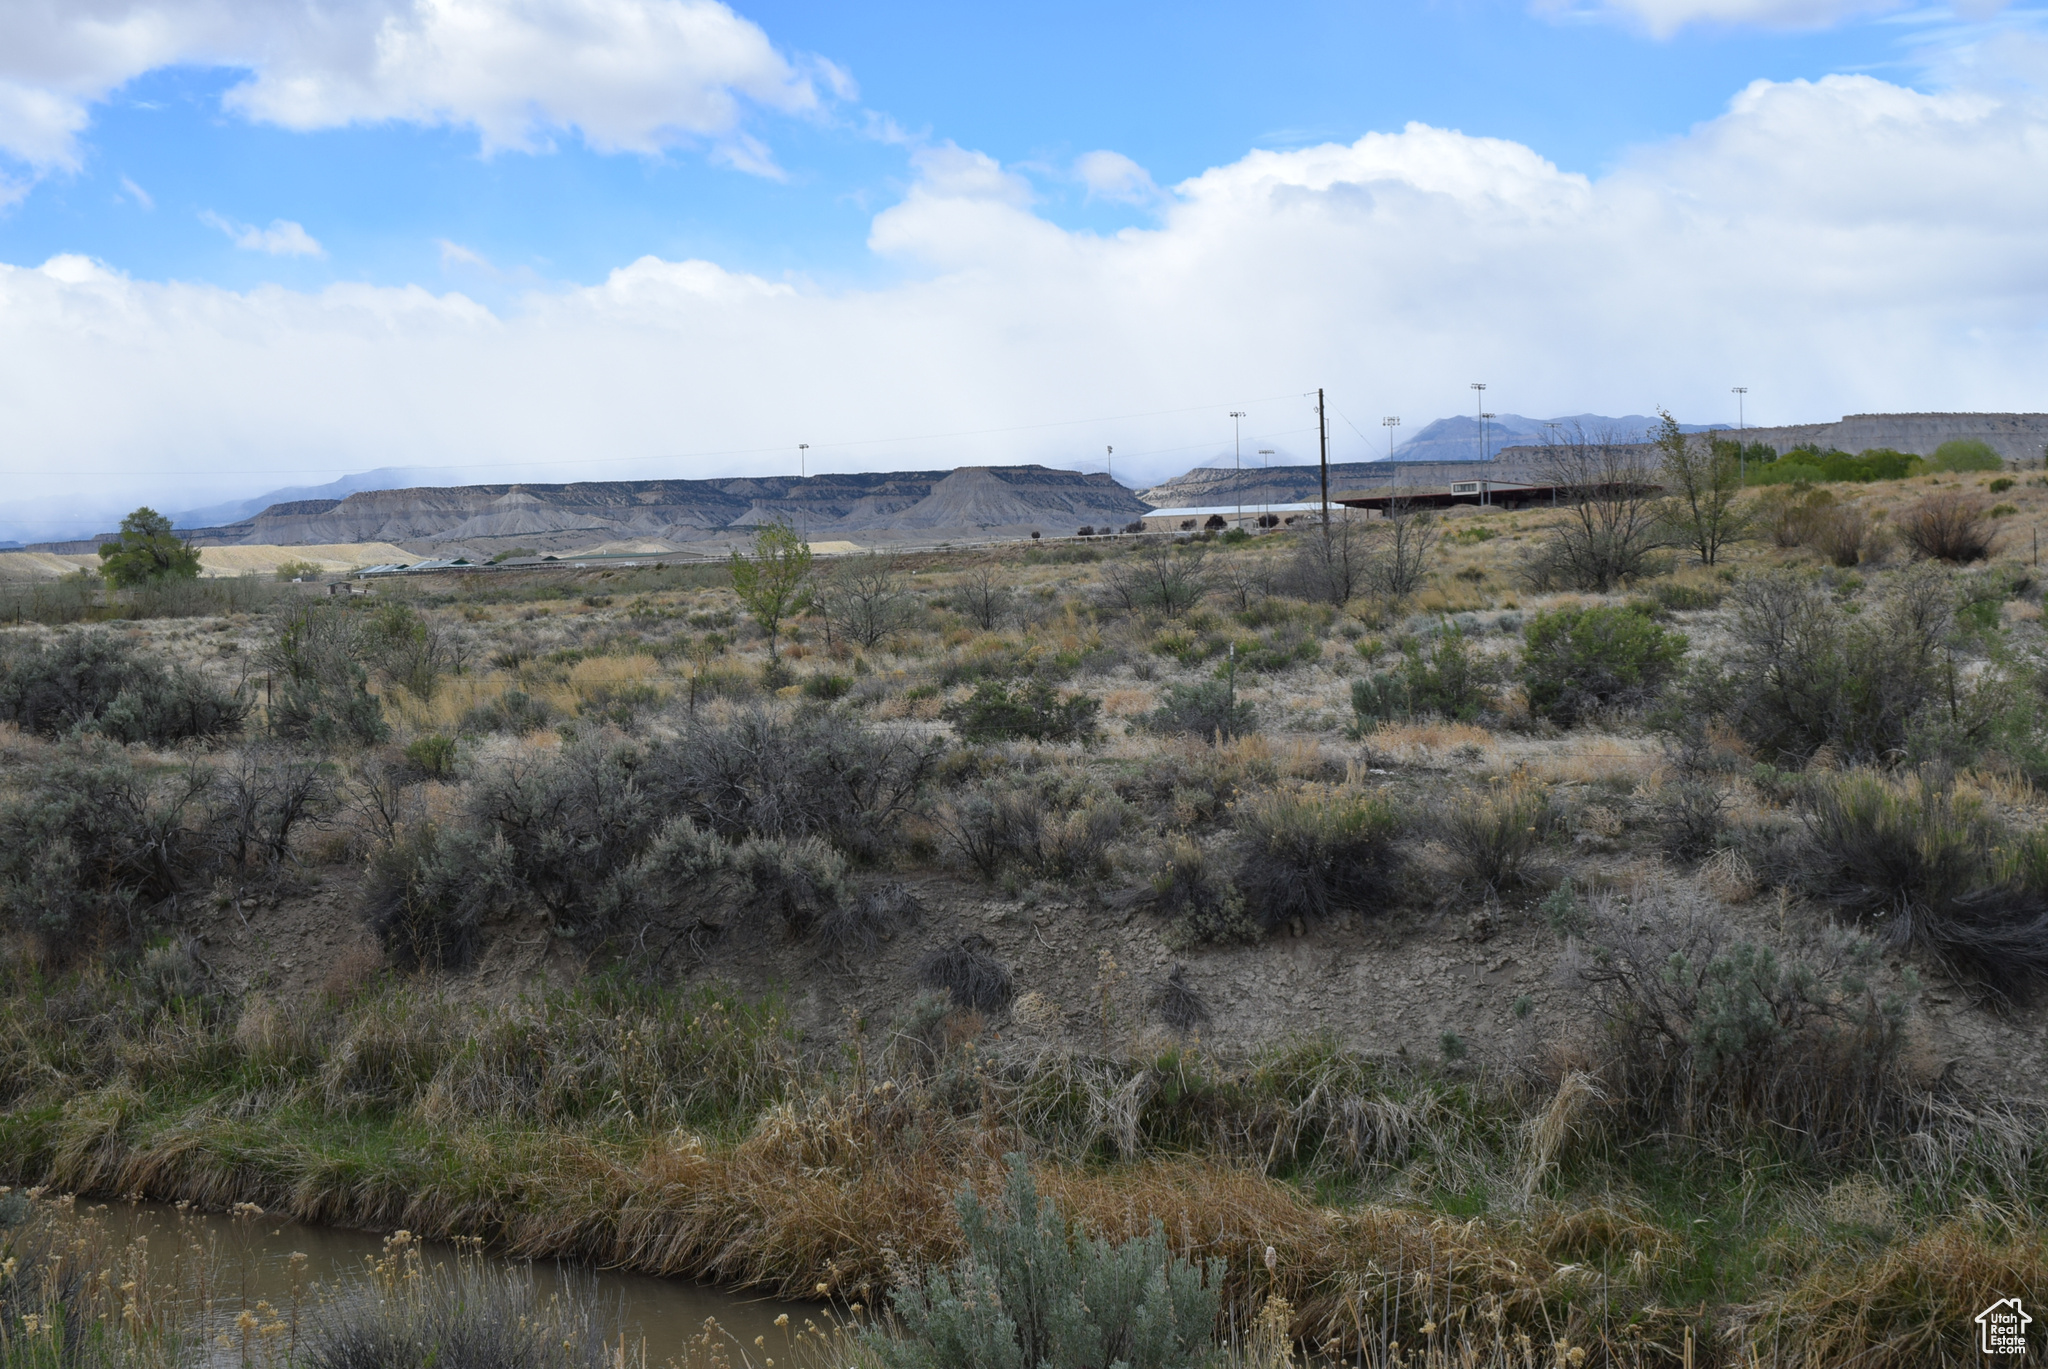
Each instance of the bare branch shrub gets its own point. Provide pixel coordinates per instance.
(983, 596)
(1157, 577)
(969, 971)
(1948, 526)
(759, 772)
(1180, 1007)
(1614, 517)
(864, 597)
(1402, 544)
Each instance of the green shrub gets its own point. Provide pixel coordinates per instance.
(1032, 1292)
(1801, 673)
(1310, 853)
(1676, 596)
(515, 711)
(1281, 653)
(2001, 485)
(1578, 660)
(826, 687)
(89, 842)
(800, 880)
(1966, 454)
(320, 682)
(1207, 709)
(1712, 1035)
(1034, 711)
(757, 772)
(1203, 905)
(1438, 676)
(432, 756)
(298, 570)
(1814, 465)
(93, 681)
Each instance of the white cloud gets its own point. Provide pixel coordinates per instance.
(626, 75)
(137, 193)
(1665, 17)
(1113, 176)
(1838, 246)
(283, 238)
(455, 254)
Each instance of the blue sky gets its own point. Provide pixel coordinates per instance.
(589, 238)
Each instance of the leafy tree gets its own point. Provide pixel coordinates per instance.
(1704, 473)
(1966, 454)
(148, 550)
(772, 583)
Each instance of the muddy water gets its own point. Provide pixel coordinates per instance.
(249, 1259)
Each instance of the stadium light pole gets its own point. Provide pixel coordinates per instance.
(1109, 463)
(1741, 447)
(1485, 450)
(803, 456)
(1237, 450)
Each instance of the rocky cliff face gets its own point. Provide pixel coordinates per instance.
(877, 507)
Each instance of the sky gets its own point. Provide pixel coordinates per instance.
(246, 245)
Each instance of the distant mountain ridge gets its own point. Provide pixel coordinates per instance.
(239, 510)
(1460, 438)
(669, 514)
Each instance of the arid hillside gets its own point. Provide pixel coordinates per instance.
(1468, 928)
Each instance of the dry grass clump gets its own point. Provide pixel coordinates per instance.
(1494, 834)
(1903, 1305)
(1427, 743)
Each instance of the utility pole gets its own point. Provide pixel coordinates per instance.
(1265, 489)
(1109, 463)
(1237, 447)
(1323, 431)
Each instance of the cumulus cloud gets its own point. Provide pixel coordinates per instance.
(1113, 176)
(625, 75)
(283, 238)
(1837, 245)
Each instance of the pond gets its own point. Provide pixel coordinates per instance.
(235, 1261)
